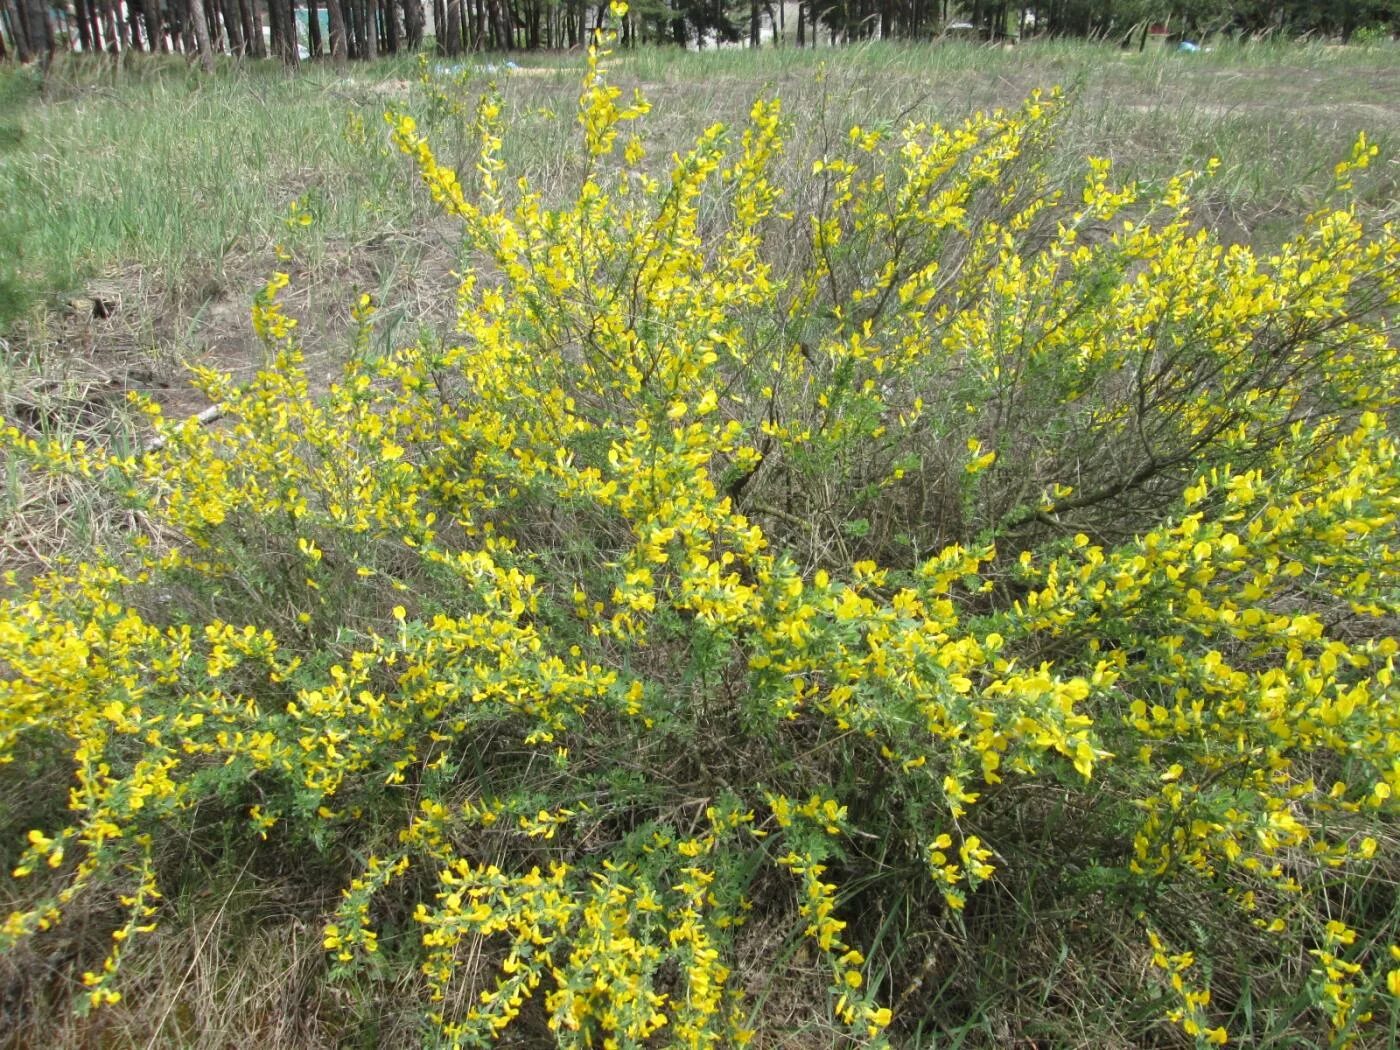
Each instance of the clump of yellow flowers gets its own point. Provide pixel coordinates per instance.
(968, 532)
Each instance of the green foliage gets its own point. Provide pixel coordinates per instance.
(155, 170)
(743, 582)
(1231, 17)
(16, 90)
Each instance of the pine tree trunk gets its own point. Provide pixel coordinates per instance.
(36, 30)
(94, 17)
(443, 30)
(114, 26)
(371, 16)
(1348, 20)
(245, 23)
(339, 49)
(286, 14)
(155, 25)
(201, 35)
(293, 33)
(109, 28)
(253, 29)
(133, 27)
(291, 45)
(233, 26)
(9, 26)
(393, 29)
(213, 13)
(313, 30)
(19, 29)
(413, 23)
(274, 27)
(180, 33)
(500, 25)
(80, 15)
(354, 31)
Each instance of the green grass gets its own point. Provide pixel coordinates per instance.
(16, 90)
(155, 167)
(174, 174)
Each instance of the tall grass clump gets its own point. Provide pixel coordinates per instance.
(964, 604)
(16, 89)
(150, 168)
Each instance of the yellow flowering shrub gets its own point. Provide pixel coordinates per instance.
(732, 560)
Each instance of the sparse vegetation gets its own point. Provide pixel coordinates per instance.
(870, 571)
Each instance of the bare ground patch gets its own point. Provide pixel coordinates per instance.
(70, 369)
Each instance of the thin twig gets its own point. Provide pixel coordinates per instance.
(204, 418)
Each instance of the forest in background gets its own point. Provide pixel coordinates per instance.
(979, 889)
(365, 29)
